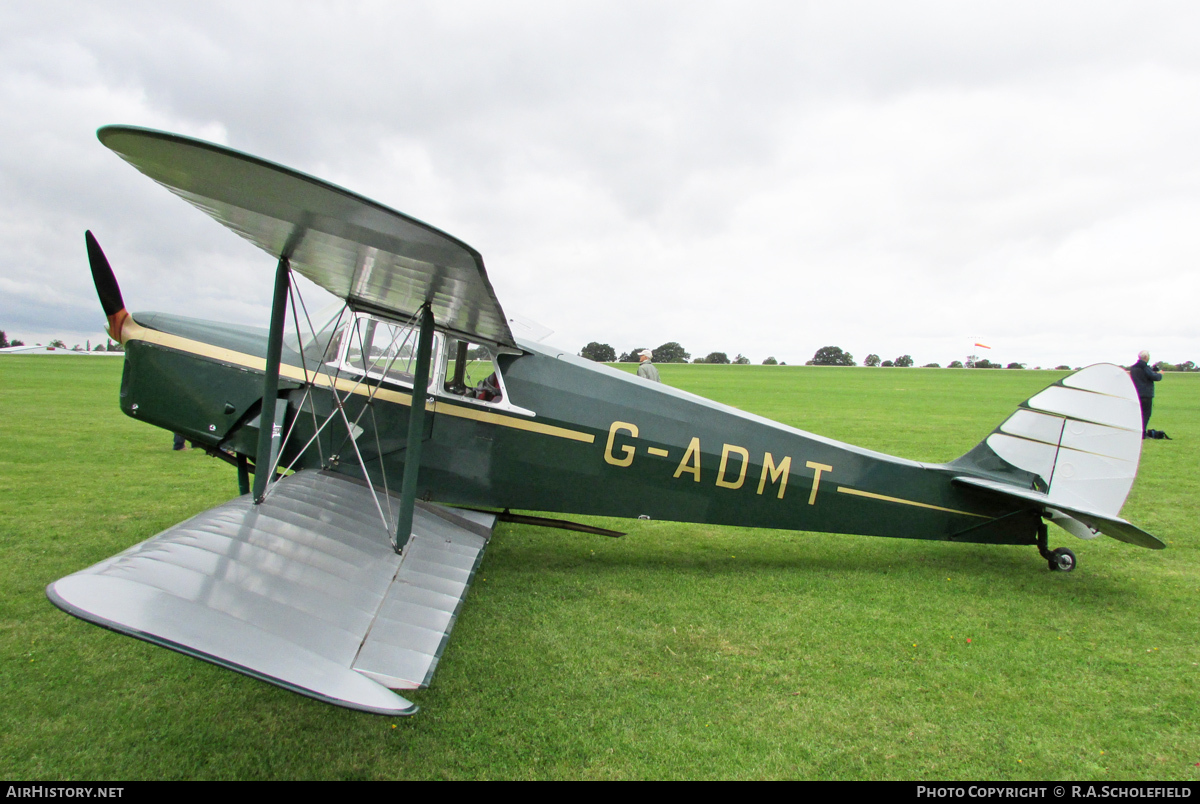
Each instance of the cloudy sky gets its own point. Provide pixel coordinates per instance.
(762, 178)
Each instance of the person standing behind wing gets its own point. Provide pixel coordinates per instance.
(1144, 377)
(646, 369)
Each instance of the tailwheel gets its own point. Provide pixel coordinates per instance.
(1062, 560)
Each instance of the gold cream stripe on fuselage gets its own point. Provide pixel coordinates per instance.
(869, 495)
(132, 331)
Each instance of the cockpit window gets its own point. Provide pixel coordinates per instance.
(321, 346)
(381, 349)
(386, 350)
(472, 372)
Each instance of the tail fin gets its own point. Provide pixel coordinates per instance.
(1073, 449)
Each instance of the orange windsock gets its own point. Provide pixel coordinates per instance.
(983, 346)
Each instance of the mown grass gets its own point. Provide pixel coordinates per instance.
(679, 651)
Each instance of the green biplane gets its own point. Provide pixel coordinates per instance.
(339, 573)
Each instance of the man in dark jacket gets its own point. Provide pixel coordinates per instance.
(1144, 377)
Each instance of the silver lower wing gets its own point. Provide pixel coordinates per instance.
(303, 591)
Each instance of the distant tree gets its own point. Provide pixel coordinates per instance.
(4, 344)
(770, 361)
(1015, 365)
(985, 363)
(100, 348)
(872, 360)
(887, 364)
(904, 361)
(955, 364)
(719, 358)
(832, 356)
(741, 360)
(1164, 366)
(783, 362)
(57, 344)
(932, 365)
(1186, 365)
(631, 356)
(599, 352)
(113, 346)
(16, 342)
(671, 352)
(1062, 368)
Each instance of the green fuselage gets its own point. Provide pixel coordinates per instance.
(591, 440)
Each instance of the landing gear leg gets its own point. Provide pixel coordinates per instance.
(1060, 560)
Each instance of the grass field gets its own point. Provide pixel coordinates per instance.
(679, 651)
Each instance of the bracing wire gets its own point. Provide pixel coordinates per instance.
(370, 367)
(294, 295)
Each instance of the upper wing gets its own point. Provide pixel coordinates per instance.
(375, 258)
(303, 591)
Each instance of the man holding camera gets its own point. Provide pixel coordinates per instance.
(1144, 376)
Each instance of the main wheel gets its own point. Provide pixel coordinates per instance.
(1062, 560)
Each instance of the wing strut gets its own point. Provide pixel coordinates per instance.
(416, 430)
(268, 432)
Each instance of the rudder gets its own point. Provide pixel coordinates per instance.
(1073, 448)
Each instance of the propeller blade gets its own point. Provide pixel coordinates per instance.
(106, 287)
(102, 275)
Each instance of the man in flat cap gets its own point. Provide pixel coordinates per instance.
(646, 369)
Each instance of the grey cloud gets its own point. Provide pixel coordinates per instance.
(777, 172)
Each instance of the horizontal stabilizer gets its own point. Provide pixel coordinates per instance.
(1107, 524)
(303, 591)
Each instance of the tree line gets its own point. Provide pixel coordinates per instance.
(669, 352)
(835, 356)
(673, 352)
